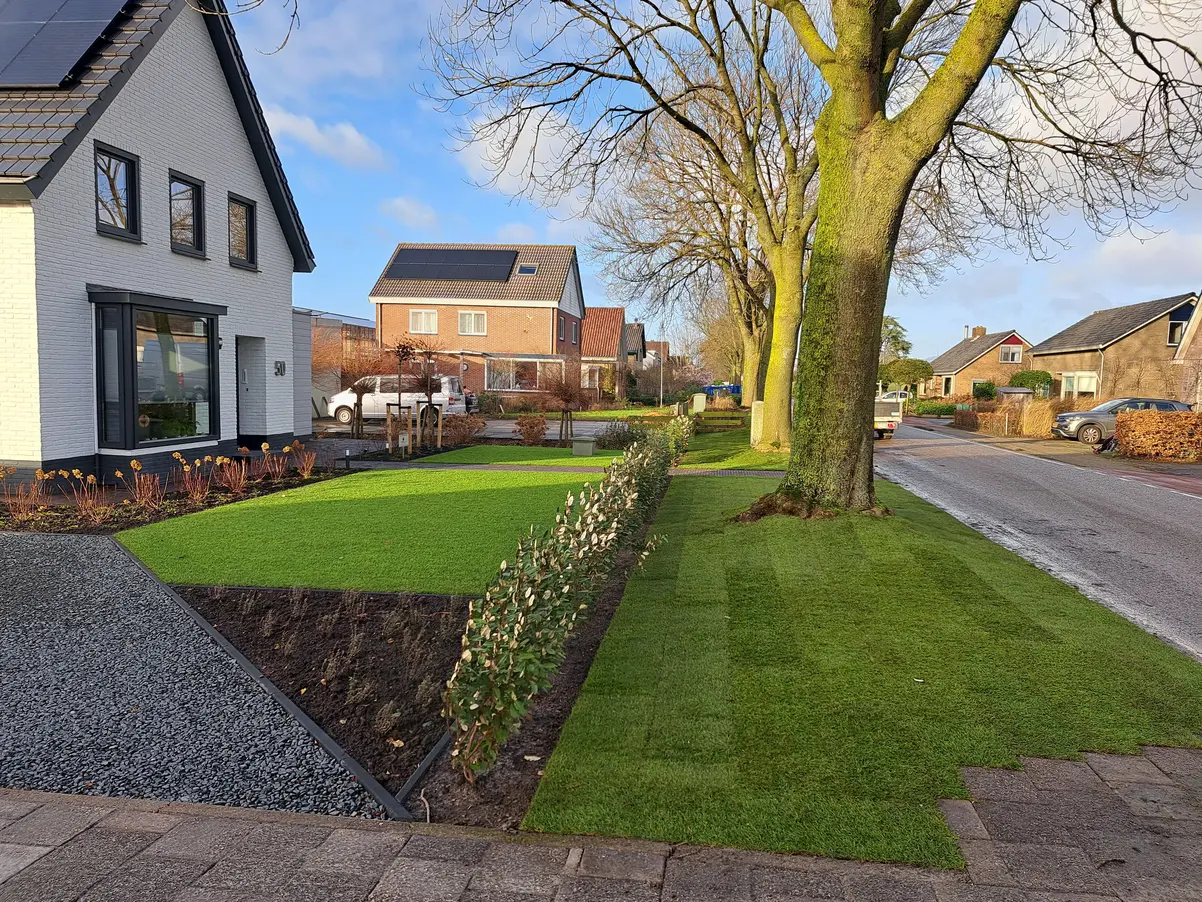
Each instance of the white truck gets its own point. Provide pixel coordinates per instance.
(382, 391)
(887, 415)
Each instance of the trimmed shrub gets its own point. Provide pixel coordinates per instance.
(488, 405)
(934, 409)
(1037, 380)
(678, 432)
(531, 428)
(965, 419)
(1159, 435)
(462, 429)
(619, 435)
(515, 635)
(984, 391)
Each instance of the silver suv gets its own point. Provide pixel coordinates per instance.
(1097, 425)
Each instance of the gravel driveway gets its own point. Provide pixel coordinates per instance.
(107, 687)
(1134, 547)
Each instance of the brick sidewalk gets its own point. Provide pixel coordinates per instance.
(1111, 828)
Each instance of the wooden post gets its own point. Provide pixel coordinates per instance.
(438, 407)
(388, 425)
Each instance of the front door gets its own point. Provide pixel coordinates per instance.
(250, 356)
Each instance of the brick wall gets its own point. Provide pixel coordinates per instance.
(510, 330)
(1140, 364)
(20, 430)
(176, 112)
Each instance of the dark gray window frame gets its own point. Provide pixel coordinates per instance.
(198, 214)
(252, 233)
(135, 189)
(128, 303)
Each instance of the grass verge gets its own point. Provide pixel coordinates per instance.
(435, 531)
(815, 685)
(521, 455)
(730, 451)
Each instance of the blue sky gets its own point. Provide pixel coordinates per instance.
(371, 163)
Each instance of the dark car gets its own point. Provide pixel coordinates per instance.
(1097, 425)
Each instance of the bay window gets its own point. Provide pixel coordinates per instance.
(520, 375)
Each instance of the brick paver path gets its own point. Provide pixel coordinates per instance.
(1110, 828)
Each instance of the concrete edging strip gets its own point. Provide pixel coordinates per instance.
(387, 800)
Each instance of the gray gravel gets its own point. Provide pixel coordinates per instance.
(1134, 547)
(108, 688)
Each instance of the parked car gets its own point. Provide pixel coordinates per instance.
(384, 390)
(1094, 426)
(895, 396)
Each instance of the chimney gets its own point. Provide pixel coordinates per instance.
(977, 332)
(966, 333)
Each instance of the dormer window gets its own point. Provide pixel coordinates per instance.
(527, 269)
(1176, 332)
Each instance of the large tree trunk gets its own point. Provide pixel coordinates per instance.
(861, 200)
(757, 346)
(778, 377)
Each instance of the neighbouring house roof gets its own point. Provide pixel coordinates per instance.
(41, 126)
(658, 347)
(1104, 327)
(601, 332)
(553, 263)
(636, 339)
(959, 356)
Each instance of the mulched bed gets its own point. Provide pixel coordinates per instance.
(369, 668)
(59, 515)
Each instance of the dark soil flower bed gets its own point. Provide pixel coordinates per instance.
(59, 515)
(369, 668)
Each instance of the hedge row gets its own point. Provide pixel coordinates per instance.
(934, 409)
(1159, 434)
(515, 635)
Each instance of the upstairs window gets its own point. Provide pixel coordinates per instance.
(117, 193)
(575, 332)
(1176, 331)
(244, 239)
(561, 332)
(423, 322)
(187, 215)
(527, 269)
(471, 323)
(1012, 353)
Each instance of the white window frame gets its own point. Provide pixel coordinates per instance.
(575, 332)
(1180, 334)
(474, 313)
(1006, 357)
(949, 386)
(540, 366)
(562, 325)
(413, 331)
(527, 269)
(1077, 376)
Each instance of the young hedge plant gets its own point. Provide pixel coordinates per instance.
(516, 633)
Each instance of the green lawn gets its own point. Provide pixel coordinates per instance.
(435, 531)
(814, 685)
(622, 414)
(730, 451)
(519, 454)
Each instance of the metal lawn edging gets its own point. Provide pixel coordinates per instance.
(390, 803)
(426, 763)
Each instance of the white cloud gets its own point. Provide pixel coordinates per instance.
(413, 213)
(339, 141)
(1171, 259)
(517, 233)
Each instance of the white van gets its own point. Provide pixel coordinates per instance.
(384, 390)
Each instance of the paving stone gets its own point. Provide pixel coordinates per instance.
(999, 785)
(704, 879)
(787, 885)
(103, 848)
(515, 882)
(1155, 891)
(13, 811)
(515, 858)
(42, 882)
(967, 892)
(140, 821)
(1060, 776)
(249, 875)
(1146, 856)
(146, 879)
(1148, 800)
(1125, 768)
(442, 848)
(1057, 818)
(355, 852)
(495, 896)
(206, 838)
(886, 889)
(428, 880)
(645, 866)
(1177, 763)
(962, 818)
(985, 863)
(1049, 867)
(52, 825)
(593, 889)
(14, 858)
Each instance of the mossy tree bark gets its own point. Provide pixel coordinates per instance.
(786, 320)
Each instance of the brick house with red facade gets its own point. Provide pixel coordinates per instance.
(507, 317)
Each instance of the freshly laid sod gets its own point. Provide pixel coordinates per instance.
(623, 414)
(730, 451)
(436, 531)
(815, 685)
(519, 454)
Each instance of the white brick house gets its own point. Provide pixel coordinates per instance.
(147, 244)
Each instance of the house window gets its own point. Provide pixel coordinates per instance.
(575, 332)
(244, 238)
(187, 215)
(156, 375)
(947, 386)
(562, 335)
(1078, 385)
(117, 211)
(1176, 331)
(590, 377)
(470, 323)
(520, 375)
(527, 269)
(1012, 353)
(423, 322)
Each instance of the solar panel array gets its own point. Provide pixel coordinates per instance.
(452, 264)
(42, 41)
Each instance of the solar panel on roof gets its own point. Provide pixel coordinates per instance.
(43, 41)
(452, 264)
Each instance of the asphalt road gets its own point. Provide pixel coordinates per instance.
(1136, 548)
